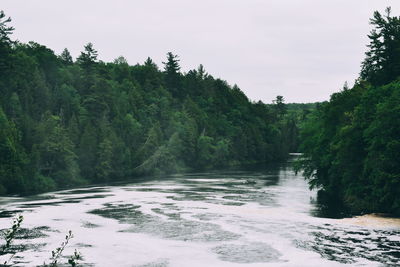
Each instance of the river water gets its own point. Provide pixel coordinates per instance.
(264, 217)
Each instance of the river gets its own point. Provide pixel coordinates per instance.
(254, 218)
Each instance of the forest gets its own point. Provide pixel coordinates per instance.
(351, 143)
(66, 122)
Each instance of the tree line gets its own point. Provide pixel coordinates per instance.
(351, 144)
(66, 122)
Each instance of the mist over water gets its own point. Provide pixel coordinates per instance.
(254, 218)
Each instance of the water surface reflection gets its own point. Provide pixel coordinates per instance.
(231, 218)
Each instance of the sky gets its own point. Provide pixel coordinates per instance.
(303, 50)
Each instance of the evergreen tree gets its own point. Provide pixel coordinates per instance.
(172, 74)
(87, 151)
(5, 47)
(65, 122)
(57, 158)
(382, 62)
(12, 157)
(280, 107)
(87, 57)
(351, 144)
(66, 57)
(105, 155)
(5, 30)
(87, 60)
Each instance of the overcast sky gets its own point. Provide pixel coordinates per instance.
(302, 49)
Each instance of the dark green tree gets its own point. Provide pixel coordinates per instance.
(5, 46)
(351, 144)
(57, 158)
(88, 56)
(5, 30)
(66, 122)
(66, 57)
(382, 62)
(12, 157)
(172, 74)
(280, 107)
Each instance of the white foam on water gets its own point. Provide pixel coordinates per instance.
(196, 221)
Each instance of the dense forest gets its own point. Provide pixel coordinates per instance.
(352, 142)
(66, 122)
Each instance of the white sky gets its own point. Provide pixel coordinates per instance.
(302, 49)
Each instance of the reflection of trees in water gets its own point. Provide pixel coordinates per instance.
(327, 207)
(231, 187)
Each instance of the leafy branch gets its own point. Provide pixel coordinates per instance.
(9, 237)
(57, 253)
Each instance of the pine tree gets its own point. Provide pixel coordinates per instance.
(88, 57)
(5, 45)
(382, 62)
(87, 151)
(57, 158)
(12, 158)
(172, 74)
(66, 57)
(104, 166)
(5, 30)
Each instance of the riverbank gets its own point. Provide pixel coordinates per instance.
(374, 220)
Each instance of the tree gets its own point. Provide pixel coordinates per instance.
(120, 61)
(351, 144)
(172, 74)
(12, 158)
(205, 151)
(382, 62)
(104, 166)
(57, 158)
(131, 132)
(67, 101)
(88, 57)
(5, 30)
(5, 44)
(66, 57)
(87, 151)
(152, 142)
(15, 109)
(280, 107)
(115, 120)
(150, 63)
(222, 152)
(201, 72)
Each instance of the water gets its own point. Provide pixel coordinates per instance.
(232, 218)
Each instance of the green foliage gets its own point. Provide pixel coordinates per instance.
(172, 74)
(205, 151)
(9, 236)
(57, 253)
(5, 47)
(351, 144)
(57, 158)
(73, 259)
(66, 57)
(66, 122)
(280, 107)
(104, 165)
(382, 62)
(12, 157)
(221, 152)
(5, 30)
(88, 57)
